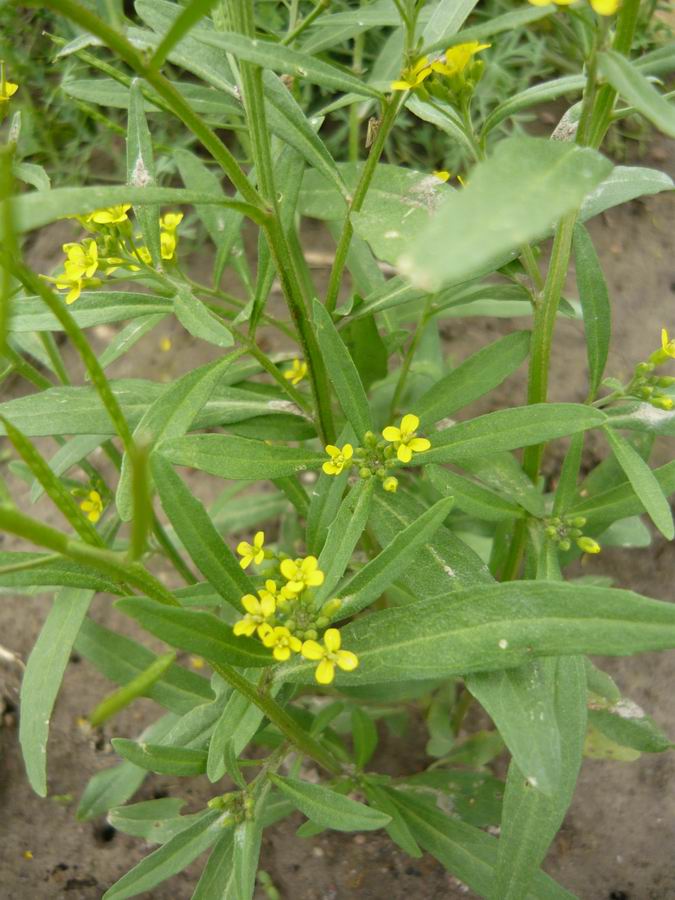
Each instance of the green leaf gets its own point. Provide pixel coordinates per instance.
(170, 859)
(141, 168)
(92, 308)
(154, 820)
(199, 321)
(42, 679)
(627, 724)
(477, 375)
(508, 429)
(364, 735)
(196, 632)
(443, 564)
(238, 458)
(533, 96)
(286, 61)
(37, 570)
(594, 304)
(625, 183)
(215, 878)
(342, 372)
(199, 536)
(622, 501)
(121, 659)
(497, 626)
(325, 500)
(372, 580)
(472, 498)
(628, 81)
(328, 808)
(644, 483)
(162, 760)
(446, 19)
(127, 338)
(170, 416)
(467, 852)
(520, 190)
(38, 208)
(530, 819)
(343, 535)
(189, 17)
(397, 829)
(509, 21)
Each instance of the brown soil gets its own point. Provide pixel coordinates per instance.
(617, 841)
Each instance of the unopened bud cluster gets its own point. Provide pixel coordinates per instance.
(564, 530)
(649, 387)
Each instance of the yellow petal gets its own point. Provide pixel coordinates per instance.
(399, 86)
(331, 469)
(259, 540)
(281, 653)
(250, 604)
(347, 451)
(267, 605)
(325, 672)
(409, 423)
(404, 453)
(288, 569)
(347, 660)
(295, 644)
(314, 579)
(419, 445)
(312, 650)
(332, 639)
(244, 626)
(391, 433)
(332, 450)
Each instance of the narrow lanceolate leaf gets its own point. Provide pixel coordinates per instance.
(92, 308)
(467, 852)
(472, 498)
(474, 377)
(530, 818)
(344, 535)
(497, 626)
(288, 62)
(628, 725)
(632, 85)
(622, 501)
(170, 416)
(446, 19)
(644, 483)
(154, 820)
(141, 168)
(329, 809)
(170, 859)
(215, 877)
(373, 579)
(342, 372)
(238, 458)
(526, 185)
(162, 760)
(200, 322)
(508, 429)
(52, 485)
(198, 534)
(594, 304)
(197, 632)
(20, 570)
(42, 679)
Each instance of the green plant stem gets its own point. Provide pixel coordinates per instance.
(137, 687)
(305, 23)
(358, 198)
(48, 342)
(240, 304)
(107, 561)
(279, 717)
(354, 120)
(407, 360)
(26, 370)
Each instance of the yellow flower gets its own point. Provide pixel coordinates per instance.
(171, 220)
(252, 553)
(456, 59)
(92, 506)
(301, 573)
(601, 7)
(281, 640)
(338, 458)
(72, 281)
(82, 258)
(257, 613)
(7, 89)
(405, 438)
(441, 174)
(330, 655)
(143, 254)
(112, 215)
(279, 595)
(667, 344)
(413, 76)
(390, 484)
(297, 371)
(168, 242)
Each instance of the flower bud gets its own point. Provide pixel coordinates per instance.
(662, 402)
(644, 368)
(551, 531)
(565, 545)
(311, 634)
(365, 472)
(331, 607)
(579, 521)
(588, 545)
(390, 484)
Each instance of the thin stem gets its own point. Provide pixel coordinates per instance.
(407, 360)
(388, 119)
(279, 717)
(305, 23)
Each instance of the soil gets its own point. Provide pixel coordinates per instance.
(617, 840)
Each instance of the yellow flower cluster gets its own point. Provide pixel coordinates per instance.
(377, 457)
(601, 7)
(453, 62)
(7, 88)
(286, 619)
(112, 248)
(563, 530)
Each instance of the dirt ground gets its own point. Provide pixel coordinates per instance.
(618, 838)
